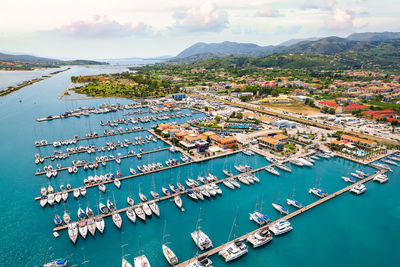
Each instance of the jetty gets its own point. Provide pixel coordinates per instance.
(287, 217)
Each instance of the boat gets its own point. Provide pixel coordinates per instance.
(260, 238)
(117, 220)
(294, 203)
(358, 188)
(82, 191)
(89, 212)
(110, 205)
(318, 192)
(243, 180)
(180, 187)
(154, 194)
(305, 162)
(282, 209)
(102, 188)
(169, 255)
(73, 232)
(228, 184)
(201, 261)
(130, 201)
(296, 162)
(130, 213)
(117, 183)
(56, 263)
(140, 213)
(349, 179)
(259, 218)
(57, 197)
(91, 226)
(83, 230)
(76, 193)
(227, 173)
(272, 170)
(50, 199)
(125, 263)
(103, 208)
(81, 213)
(201, 240)
(216, 188)
(64, 195)
(141, 261)
(132, 171)
(381, 178)
(356, 175)
(272, 160)
(283, 167)
(173, 188)
(165, 191)
(100, 223)
(233, 251)
(154, 208)
(57, 220)
(191, 194)
(142, 197)
(66, 217)
(178, 201)
(360, 172)
(234, 182)
(280, 227)
(146, 209)
(43, 201)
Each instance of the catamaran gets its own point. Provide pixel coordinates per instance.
(233, 251)
(281, 227)
(381, 178)
(358, 188)
(260, 238)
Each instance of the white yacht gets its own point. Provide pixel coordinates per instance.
(125, 263)
(260, 238)
(141, 261)
(283, 167)
(169, 255)
(318, 192)
(131, 214)
(117, 220)
(228, 184)
(100, 223)
(140, 213)
(56, 263)
(281, 227)
(259, 218)
(83, 230)
(358, 188)
(305, 162)
(201, 240)
(91, 226)
(227, 173)
(294, 203)
(178, 201)
(233, 251)
(154, 208)
(234, 182)
(43, 201)
(201, 261)
(146, 209)
(381, 178)
(130, 201)
(117, 183)
(296, 162)
(272, 170)
(73, 232)
(280, 208)
(348, 179)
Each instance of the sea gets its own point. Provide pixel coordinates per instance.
(348, 230)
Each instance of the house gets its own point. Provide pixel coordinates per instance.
(270, 143)
(224, 142)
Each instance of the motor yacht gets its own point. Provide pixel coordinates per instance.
(358, 188)
(280, 227)
(233, 251)
(260, 238)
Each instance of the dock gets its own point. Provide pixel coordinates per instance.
(287, 217)
(97, 136)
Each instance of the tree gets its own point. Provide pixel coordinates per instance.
(275, 93)
(206, 108)
(217, 119)
(331, 111)
(239, 115)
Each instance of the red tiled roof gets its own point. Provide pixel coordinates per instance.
(355, 106)
(377, 112)
(329, 103)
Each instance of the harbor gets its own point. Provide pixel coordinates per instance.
(346, 211)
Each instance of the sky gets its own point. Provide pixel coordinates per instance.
(100, 29)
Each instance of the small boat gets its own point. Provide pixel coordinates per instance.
(91, 226)
(83, 230)
(283, 167)
(141, 261)
(57, 197)
(43, 201)
(243, 180)
(233, 251)
(154, 208)
(201, 240)
(117, 183)
(358, 188)
(356, 175)
(132, 171)
(77, 193)
(154, 194)
(110, 205)
(89, 212)
(165, 191)
(349, 179)
(281, 227)
(140, 213)
(56, 263)
(50, 189)
(260, 238)
(146, 209)
(259, 218)
(272, 170)
(169, 255)
(178, 201)
(102, 188)
(82, 191)
(234, 182)
(294, 203)
(318, 192)
(66, 217)
(50, 199)
(130, 201)
(125, 263)
(64, 195)
(100, 223)
(191, 194)
(73, 232)
(130, 213)
(117, 220)
(103, 208)
(81, 214)
(142, 197)
(280, 208)
(227, 173)
(57, 220)
(228, 184)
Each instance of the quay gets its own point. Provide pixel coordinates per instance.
(99, 136)
(287, 217)
(64, 92)
(109, 159)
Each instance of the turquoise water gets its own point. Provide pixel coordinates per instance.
(344, 231)
(11, 78)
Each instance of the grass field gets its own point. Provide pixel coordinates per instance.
(297, 107)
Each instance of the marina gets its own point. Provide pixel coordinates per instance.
(145, 237)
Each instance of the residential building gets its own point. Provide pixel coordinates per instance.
(364, 143)
(378, 114)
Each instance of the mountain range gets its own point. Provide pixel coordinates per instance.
(327, 45)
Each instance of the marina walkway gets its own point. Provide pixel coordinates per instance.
(287, 217)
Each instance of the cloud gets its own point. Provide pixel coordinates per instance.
(101, 26)
(309, 4)
(330, 3)
(341, 19)
(267, 12)
(205, 18)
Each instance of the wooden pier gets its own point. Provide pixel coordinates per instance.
(287, 217)
(97, 136)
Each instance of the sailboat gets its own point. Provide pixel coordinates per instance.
(116, 217)
(73, 232)
(168, 253)
(91, 226)
(130, 213)
(201, 240)
(291, 201)
(154, 208)
(140, 213)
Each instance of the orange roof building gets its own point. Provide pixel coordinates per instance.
(358, 141)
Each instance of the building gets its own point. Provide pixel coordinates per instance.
(378, 114)
(364, 143)
(284, 124)
(224, 142)
(180, 135)
(201, 146)
(179, 97)
(351, 108)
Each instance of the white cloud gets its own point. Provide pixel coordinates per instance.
(267, 12)
(101, 26)
(341, 19)
(205, 18)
